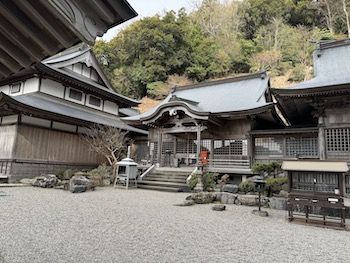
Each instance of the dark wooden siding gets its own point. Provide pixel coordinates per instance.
(53, 146)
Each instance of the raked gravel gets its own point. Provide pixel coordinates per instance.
(118, 225)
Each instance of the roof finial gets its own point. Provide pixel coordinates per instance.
(173, 88)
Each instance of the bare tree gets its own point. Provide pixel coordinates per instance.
(330, 11)
(345, 8)
(108, 141)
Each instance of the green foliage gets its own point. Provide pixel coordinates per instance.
(218, 39)
(66, 175)
(246, 186)
(157, 89)
(276, 181)
(100, 173)
(193, 180)
(275, 184)
(208, 181)
(267, 169)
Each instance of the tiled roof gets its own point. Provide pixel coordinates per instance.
(221, 96)
(331, 66)
(46, 103)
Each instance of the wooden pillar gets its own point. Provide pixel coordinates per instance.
(250, 149)
(159, 147)
(198, 142)
(321, 138)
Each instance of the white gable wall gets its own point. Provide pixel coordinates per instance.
(31, 85)
(5, 89)
(111, 107)
(24, 87)
(52, 87)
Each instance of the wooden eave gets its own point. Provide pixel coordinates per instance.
(163, 108)
(299, 130)
(245, 113)
(31, 31)
(315, 91)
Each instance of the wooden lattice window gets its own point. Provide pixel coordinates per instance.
(269, 146)
(186, 146)
(75, 94)
(338, 140)
(230, 147)
(305, 146)
(153, 151)
(312, 181)
(15, 88)
(167, 147)
(206, 145)
(94, 101)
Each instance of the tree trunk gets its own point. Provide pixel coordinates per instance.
(347, 17)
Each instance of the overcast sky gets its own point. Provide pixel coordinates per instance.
(147, 8)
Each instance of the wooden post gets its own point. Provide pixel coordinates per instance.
(321, 138)
(198, 141)
(159, 147)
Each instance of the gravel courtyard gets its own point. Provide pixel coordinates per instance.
(115, 225)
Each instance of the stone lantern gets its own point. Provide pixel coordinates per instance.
(126, 171)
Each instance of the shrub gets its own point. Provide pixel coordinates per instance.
(66, 175)
(267, 169)
(193, 180)
(208, 181)
(99, 174)
(274, 185)
(246, 186)
(276, 181)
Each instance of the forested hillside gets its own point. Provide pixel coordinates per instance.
(220, 39)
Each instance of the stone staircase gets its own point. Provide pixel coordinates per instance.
(166, 179)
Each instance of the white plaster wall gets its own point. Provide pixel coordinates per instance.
(9, 119)
(31, 85)
(64, 127)
(52, 87)
(77, 68)
(86, 71)
(36, 121)
(339, 117)
(5, 89)
(94, 75)
(111, 107)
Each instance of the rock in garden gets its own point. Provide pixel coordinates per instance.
(186, 203)
(278, 203)
(228, 198)
(250, 200)
(79, 183)
(203, 198)
(260, 213)
(47, 181)
(283, 193)
(230, 188)
(218, 207)
(28, 181)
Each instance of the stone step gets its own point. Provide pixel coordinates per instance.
(163, 185)
(165, 179)
(166, 176)
(159, 188)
